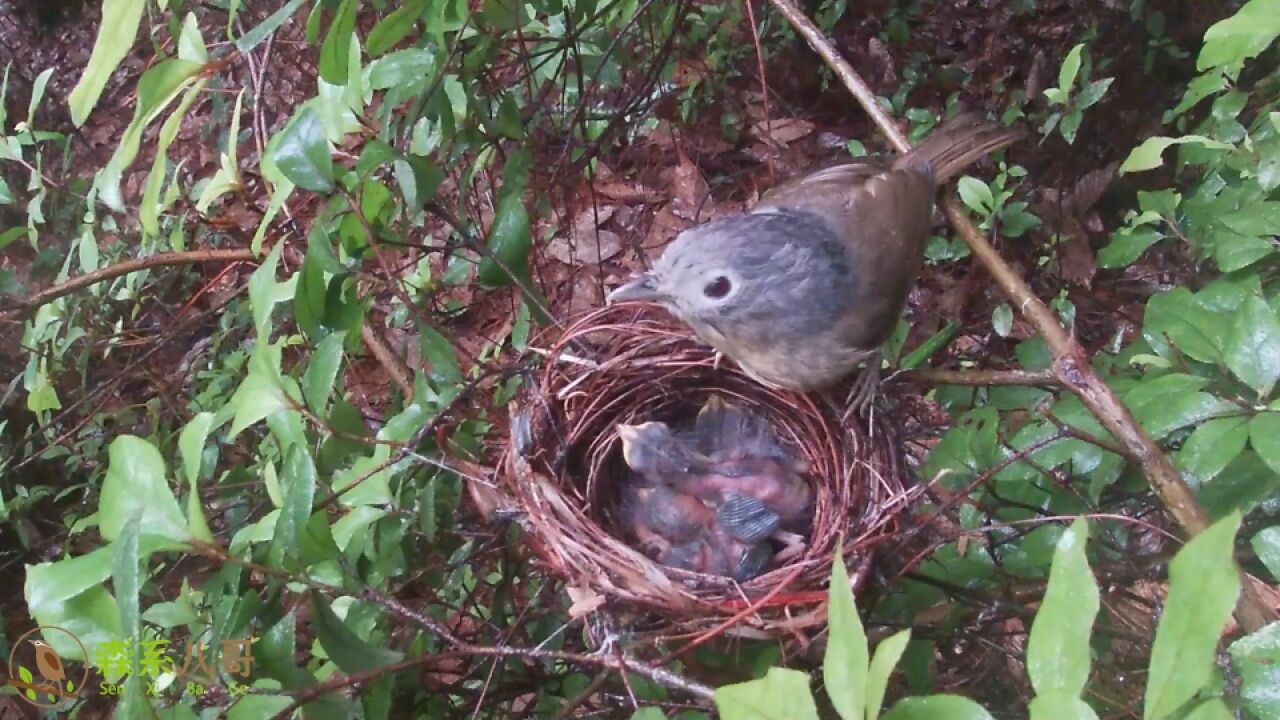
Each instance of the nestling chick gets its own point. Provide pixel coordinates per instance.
(653, 450)
(747, 459)
(718, 536)
(742, 489)
(680, 531)
(810, 282)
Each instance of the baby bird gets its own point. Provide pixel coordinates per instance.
(748, 462)
(680, 529)
(662, 457)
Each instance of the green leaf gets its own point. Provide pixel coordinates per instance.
(302, 153)
(1058, 646)
(299, 480)
(1127, 244)
(1266, 545)
(227, 178)
(1242, 36)
(440, 356)
(126, 561)
(191, 448)
(401, 68)
(1264, 435)
(1210, 83)
(394, 27)
(265, 292)
(1070, 68)
(780, 695)
(937, 707)
(258, 396)
(1253, 345)
(886, 657)
(149, 212)
(1243, 485)
(1059, 705)
(1092, 93)
(190, 42)
(1002, 319)
(119, 27)
(1161, 417)
(1179, 317)
(1148, 155)
(337, 43)
(1070, 125)
(157, 87)
(1211, 447)
(1256, 658)
(1212, 709)
(135, 485)
(510, 236)
(649, 713)
(347, 649)
(92, 616)
(262, 30)
(844, 668)
(322, 372)
(49, 586)
(976, 195)
(1203, 586)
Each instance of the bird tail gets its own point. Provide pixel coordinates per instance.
(957, 143)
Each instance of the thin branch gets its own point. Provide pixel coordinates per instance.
(930, 376)
(80, 282)
(1070, 363)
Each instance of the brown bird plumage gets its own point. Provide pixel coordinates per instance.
(48, 662)
(810, 282)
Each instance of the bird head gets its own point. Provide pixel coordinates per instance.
(652, 447)
(749, 275)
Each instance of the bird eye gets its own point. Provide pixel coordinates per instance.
(717, 288)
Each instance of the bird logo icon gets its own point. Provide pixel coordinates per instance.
(38, 673)
(48, 662)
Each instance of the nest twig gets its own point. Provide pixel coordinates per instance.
(633, 363)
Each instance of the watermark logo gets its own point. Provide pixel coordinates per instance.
(38, 672)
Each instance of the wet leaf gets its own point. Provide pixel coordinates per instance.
(1203, 586)
(937, 707)
(1256, 657)
(119, 28)
(302, 153)
(844, 668)
(1253, 345)
(1058, 647)
(780, 695)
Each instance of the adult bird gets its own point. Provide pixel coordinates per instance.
(807, 285)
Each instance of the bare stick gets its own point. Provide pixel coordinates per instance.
(124, 268)
(1070, 363)
(930, 376)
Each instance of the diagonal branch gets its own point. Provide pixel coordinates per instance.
(1070, 362)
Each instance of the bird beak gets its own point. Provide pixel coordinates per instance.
(641, 287)
(628, 435)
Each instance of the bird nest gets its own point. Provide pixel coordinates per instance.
(563, 468)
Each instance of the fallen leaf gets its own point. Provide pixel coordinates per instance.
(782, 131)
(585, 601)
(1078, 265)
(689, 188)
(588, 248)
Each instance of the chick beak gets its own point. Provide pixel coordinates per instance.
(643, 286)
(628, 435)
